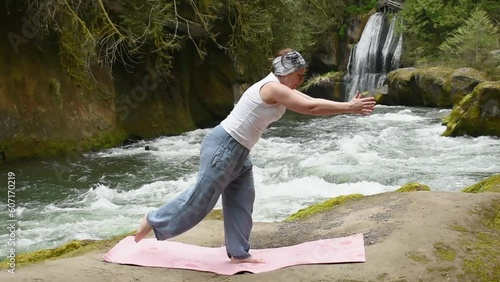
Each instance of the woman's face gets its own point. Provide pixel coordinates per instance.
(294, 79)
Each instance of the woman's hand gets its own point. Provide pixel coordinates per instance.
(361, 106)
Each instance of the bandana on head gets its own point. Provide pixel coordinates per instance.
(288, 63)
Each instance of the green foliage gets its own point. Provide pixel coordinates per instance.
(103, 33)
(144, 32)
(260, 28)
(352, 9)
(342, 30)
(360, 7)
(492, 8)
(471, 43)
(433, 25)
(426, 23)
(90, 35)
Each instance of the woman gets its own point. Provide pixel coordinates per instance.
(225, 166)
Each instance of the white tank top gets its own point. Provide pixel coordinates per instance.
(251, 116)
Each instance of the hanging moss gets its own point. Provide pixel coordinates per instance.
(102, 33)
(318, 79)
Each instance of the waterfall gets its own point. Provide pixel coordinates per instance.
(376, 54)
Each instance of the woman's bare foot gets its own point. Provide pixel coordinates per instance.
(246, 260)
(143, 230)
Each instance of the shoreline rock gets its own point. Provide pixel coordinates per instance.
(408, 236)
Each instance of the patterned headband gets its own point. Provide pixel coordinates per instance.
(288, 63)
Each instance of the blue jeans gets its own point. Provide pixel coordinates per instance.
(225, 169)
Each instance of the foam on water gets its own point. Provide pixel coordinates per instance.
(275, 202)
(402, 116)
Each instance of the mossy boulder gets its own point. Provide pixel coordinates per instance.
(478, 113)
(432, 84)
(432, 87)
(491, 184)
(463, 81)
(317, 208)
(413, 186)
(401, 89)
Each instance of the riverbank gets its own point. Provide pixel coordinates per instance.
(416, 236)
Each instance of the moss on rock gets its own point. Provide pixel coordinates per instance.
(216, 214)
(443, 270)
(413, 186)
(317, 208)
(478, 113)
(444, 252)
(463, 81)
(445, 120)
(29, 147)
(433, 84)
(431, 87)
(70, 249)
(491, 184)
(417, 256)
(79, 247)
(481, 260)
(459, 228)
(401, 88)
(379, 98)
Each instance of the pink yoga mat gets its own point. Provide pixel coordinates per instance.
(167, 254)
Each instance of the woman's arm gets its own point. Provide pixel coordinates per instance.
(273, 93)
(303, 94)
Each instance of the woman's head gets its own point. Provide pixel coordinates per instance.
(289, 66)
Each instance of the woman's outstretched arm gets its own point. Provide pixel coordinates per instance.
(295, 101)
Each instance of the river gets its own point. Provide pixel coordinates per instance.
(299, 161)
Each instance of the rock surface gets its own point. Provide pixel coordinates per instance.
(415, 236)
